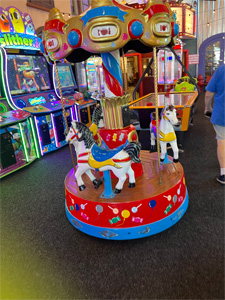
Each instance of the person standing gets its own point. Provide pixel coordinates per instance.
(216, 111)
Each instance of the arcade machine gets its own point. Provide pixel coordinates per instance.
(17, 138)
(90, 85)
(81, 76)
(95, 75)
(18, 141)
(150, 206)
(28, 81)
(84, 104)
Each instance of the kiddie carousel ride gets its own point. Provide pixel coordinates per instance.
(156, 196)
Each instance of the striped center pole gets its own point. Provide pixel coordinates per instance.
(113, 82)
(113, 79)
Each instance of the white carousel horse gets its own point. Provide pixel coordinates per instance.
(166, 132)
(90, 156)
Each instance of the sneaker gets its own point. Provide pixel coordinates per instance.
(221, 179)
(208, 114)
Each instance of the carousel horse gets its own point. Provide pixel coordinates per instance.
(166, 132)
(91, 157)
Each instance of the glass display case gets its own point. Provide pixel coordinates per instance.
(212, 58)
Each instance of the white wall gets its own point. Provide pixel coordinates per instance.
(216, 20)
(38, 16)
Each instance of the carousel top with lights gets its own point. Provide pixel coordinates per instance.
(107, 26)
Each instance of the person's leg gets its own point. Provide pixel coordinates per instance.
(220, 136)
(221, 154)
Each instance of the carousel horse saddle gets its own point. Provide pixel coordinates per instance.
(167, 137)
(101, 155)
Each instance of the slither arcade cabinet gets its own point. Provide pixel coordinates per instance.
(17, 134)
(28, 82)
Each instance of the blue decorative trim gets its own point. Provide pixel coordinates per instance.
(103, 11)
(131, 232)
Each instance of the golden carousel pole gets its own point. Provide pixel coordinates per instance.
(124, 73)
(64, 112)
(157, 110)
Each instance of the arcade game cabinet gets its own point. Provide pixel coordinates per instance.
(88, 85)
(28, 83)
(84, 104)
(18, 142)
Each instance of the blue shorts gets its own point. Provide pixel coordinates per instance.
(220, 132)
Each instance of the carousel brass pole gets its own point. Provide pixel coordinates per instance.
(124, 74)
(157, 110)
(64, 112)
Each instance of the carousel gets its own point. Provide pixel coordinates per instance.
(115, 190)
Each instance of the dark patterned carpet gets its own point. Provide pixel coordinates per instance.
(44, 257)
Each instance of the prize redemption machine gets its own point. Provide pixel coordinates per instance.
(28, 82)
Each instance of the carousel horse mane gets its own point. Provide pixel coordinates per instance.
(170, 107)
(86, 134)
(97, 115)
(133, 149)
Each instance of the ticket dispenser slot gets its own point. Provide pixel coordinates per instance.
(84, 115)
(59, 126)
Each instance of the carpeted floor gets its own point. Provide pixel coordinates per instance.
(44, 257)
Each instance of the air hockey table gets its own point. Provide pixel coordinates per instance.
(184, 102)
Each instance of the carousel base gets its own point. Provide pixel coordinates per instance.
(149, 208)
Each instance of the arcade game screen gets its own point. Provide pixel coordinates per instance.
(27, 74)
(65, 76)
